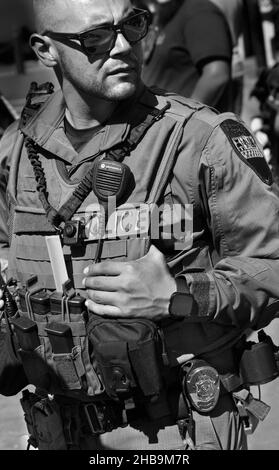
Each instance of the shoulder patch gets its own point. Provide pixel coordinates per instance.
(246, 147)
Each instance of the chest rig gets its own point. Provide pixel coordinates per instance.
(55, 332)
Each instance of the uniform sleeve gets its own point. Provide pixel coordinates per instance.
(242, 289)
(206, 33)
(6, 146)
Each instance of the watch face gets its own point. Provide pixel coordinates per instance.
(181, 305)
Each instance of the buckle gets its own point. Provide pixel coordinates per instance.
(201, 383)
(95, 415)
(98, 418)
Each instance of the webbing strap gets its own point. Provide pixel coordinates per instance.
(137, 132)
(166, 165)
(77, 197)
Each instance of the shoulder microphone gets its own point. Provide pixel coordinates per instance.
(111, 179)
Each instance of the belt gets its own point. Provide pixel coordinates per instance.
(98, 417)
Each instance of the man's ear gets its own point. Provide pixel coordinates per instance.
(44, 50)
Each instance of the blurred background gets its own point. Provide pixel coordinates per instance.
(18, 64)
(259, 46)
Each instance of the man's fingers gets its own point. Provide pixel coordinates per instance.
(104, 283)
(101, 297)
(105, 268)
(103, 310)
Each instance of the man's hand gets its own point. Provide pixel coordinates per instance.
(140, 288)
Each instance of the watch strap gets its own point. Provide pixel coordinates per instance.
(182, 303)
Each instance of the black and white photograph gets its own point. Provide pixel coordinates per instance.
(139, 230)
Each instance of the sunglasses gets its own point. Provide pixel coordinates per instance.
(102, 39)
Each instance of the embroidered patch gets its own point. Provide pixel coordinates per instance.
(246, 147)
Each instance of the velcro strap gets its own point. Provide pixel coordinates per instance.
(200, 289)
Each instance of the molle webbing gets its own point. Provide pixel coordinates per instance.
(32, 257)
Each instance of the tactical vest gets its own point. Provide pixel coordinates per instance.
(29, 223)
(76, 372)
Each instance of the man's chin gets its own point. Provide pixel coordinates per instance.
(123, 91)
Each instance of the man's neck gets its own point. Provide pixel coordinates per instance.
(79, 122)
(87, 112)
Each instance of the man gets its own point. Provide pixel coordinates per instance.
(164, 338)
(190, 54)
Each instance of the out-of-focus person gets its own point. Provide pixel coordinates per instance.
(265, 124)
(233, 12)
(189, 50)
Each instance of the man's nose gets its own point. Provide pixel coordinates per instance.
(121, 45)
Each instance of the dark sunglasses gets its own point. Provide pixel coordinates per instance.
(101, 39)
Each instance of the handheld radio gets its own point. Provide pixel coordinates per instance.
(110, 179)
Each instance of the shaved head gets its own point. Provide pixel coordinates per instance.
(68, 15)
(45, 14)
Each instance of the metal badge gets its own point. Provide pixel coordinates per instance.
(202, 385)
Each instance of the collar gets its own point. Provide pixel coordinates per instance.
(46, 127)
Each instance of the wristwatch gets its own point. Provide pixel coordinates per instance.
(182, 303)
